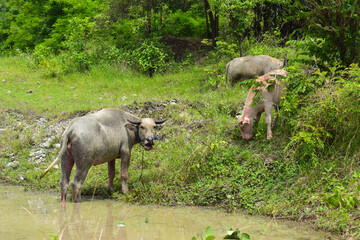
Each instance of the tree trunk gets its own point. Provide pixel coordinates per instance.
(207, 22)
(257, 21)
(148, 18)
(214, 22)
(267, 16)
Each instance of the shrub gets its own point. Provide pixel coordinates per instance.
(182, 24)
(323, 109)
(151, 57)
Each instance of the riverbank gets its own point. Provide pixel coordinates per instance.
(199, 160)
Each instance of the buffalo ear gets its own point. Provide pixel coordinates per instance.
(131, 127)
(239, 119)
(160, 121)
(246, 120)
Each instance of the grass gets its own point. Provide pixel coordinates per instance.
(200, 158)
(26, 89)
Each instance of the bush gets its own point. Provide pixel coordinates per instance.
(151, 57)
(180, 24)
(323, 109)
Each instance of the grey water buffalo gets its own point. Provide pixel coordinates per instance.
(243, 68)
(98, 138)
(269, 99)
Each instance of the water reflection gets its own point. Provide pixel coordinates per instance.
(75, 225)
(41, 216)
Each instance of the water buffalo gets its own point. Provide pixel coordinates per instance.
(98, 138)
(243, 68)
(265, 104)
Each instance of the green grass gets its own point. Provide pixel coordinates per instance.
(103, 86)
(200, 158)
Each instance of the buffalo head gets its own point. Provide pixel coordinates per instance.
(144, 130)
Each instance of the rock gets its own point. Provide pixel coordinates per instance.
(20, 177)
(12, 164)
(48, 142)
(29, 91)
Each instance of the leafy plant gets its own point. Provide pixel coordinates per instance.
(235, 234)
(208, 234)
(335, 24)
(151, 58)
(120, 224)
(230, 234)
(344, 196)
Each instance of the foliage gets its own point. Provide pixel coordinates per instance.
(344, 196)
(151, 57)
(186, 25)
(208, 234)
(79, 32)
(333, 29)
(240, 18)
(230, 234)
(326, 115)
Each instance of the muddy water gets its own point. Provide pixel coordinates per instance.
(25, 215)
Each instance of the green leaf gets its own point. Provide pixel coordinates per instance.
(245, 236)
(120, 224)
(208, 231)
(232, 235)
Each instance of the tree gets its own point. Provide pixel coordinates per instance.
(147, 9)
(239, 16)
(212, 15)
(337, 22)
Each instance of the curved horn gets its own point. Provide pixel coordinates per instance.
(134, 121)
(160, 121)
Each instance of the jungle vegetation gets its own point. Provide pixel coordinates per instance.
(62, 58)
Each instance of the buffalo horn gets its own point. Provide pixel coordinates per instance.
(160, 121)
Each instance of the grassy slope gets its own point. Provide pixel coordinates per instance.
(199, 160)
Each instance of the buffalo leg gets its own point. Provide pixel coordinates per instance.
(111, 174)
(268, 122)
(276, 110)
(67, 163)
(78, 180)
(257, 120)
(125, 160)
